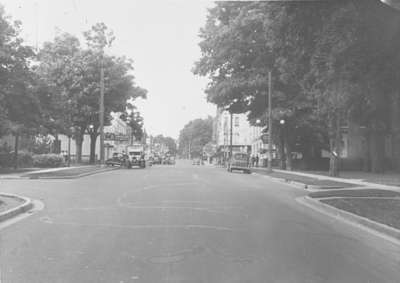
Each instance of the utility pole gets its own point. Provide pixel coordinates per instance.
(269, 122)
(231, 134)
(101, 114)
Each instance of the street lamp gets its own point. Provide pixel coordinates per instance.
(282, 134)
(395, 4)
(231, 129)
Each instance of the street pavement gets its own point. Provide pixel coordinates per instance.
(184, 223)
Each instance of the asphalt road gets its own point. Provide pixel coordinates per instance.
(184, 223)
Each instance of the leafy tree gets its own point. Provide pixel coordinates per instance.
(119, 86)
(135, 121)
(60, 72)
(168, 141)
(242, 41)
(194, 136)
(19, 107)
(331, 61)
(71, 85)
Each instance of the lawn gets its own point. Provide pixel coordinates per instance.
(355, 193)
(68, 172)
(386, 211)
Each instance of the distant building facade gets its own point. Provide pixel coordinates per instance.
(117, 137)
(241, 133)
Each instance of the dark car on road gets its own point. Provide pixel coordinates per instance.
(196, 161)
(239, 161)
(170, 160)
(116, 160)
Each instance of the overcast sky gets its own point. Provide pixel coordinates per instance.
(160, 36)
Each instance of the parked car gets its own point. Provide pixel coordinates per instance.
(117, 159)
(239, 161)
(156, 159)
(196, 161)
(170, 160)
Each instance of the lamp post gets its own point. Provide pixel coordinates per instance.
(101, 114)
(282, 134)
(395, 4)
(231, 128)
(90, 132)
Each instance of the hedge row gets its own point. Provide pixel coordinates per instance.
(26, 159)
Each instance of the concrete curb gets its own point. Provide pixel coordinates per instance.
(25, 206)
(294, 184)
(75, 176)
(384, 231)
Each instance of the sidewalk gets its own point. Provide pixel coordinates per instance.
(309, 181)
(389, 178)
(361, 179)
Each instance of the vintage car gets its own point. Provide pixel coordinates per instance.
(239, 161)
(117, 159)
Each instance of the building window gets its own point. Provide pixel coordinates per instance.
(236, 121)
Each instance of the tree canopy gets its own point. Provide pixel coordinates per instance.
(194, 136)
(168, 141)
(71, 82)
(330, 61)
(19, 107)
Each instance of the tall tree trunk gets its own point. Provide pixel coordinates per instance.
(93, 139)
(16, 151)
(366, 154)
(282, 164)
(334, 142)
(377, 150)
(78, 143)
(288, 155)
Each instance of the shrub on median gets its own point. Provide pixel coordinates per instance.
(7, 159)
(48, 160)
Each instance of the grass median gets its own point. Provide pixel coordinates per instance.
(382, 206)
(67, 172)
(355, 193)
(382, 210)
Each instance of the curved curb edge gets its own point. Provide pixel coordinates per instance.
(24, 207)
(378, 229)
(294, 184)
(76, 176)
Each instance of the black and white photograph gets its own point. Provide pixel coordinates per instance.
(199, 141)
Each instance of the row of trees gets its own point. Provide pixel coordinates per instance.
(56, 90)
(332, 61)
(167, 141)
(194, 136)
